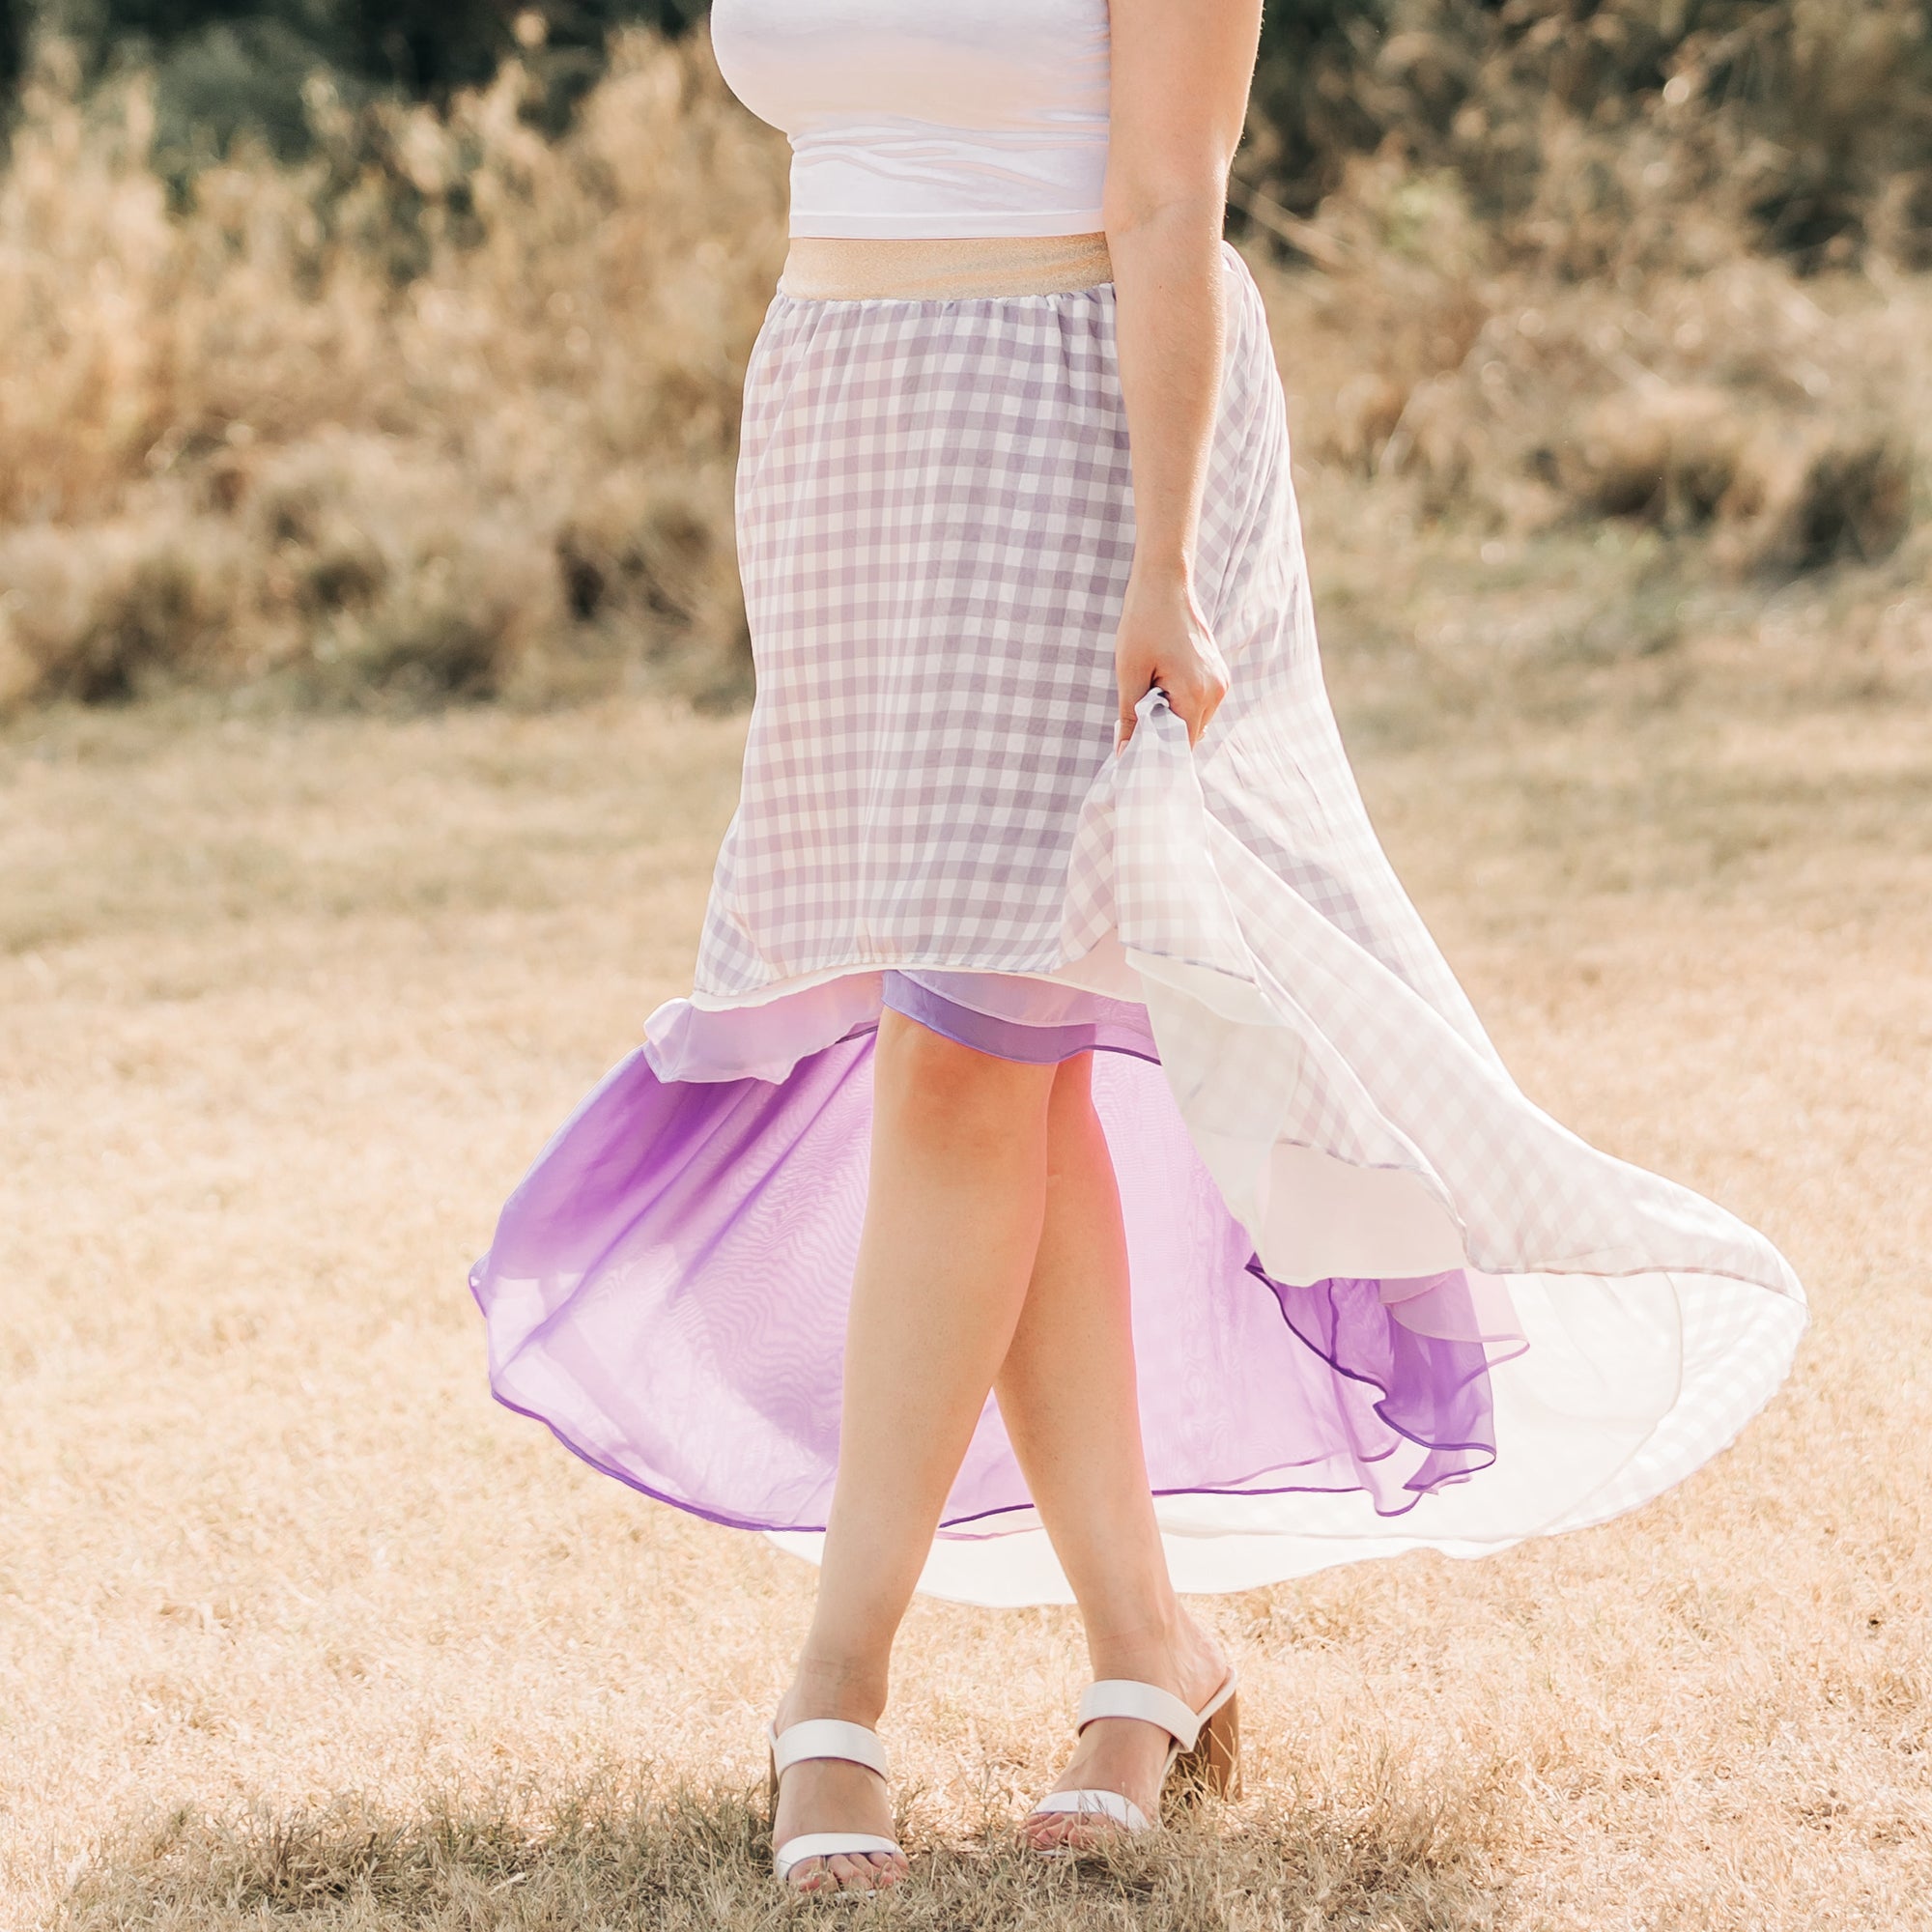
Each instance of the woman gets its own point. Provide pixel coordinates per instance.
(1205, 1240)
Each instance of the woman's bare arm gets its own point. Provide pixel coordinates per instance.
(1181, 75)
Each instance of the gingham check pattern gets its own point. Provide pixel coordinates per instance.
(935, 520)
(935, 525)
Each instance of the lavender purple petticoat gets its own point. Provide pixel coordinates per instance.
(1380, 1301)
(760, 1188)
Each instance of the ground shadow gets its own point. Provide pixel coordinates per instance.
(680, 1861)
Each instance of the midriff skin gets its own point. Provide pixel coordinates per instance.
(949, 269)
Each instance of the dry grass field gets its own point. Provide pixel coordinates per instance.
(296, 1629)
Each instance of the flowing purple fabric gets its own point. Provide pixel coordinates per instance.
(667, 1290)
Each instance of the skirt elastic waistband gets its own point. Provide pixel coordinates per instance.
(824, 269)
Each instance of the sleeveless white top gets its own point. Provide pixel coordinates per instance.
(928, 118)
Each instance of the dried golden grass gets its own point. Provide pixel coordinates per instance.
(1780, 419)
(1523, 491)
(688, 1861)
(296, 1629)
(441, 412)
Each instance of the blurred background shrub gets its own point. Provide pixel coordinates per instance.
(1809, 122)
(224, 69)
(447, 409)
(1811, 117)
(391, 353)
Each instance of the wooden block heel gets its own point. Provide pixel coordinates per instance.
(1212, 1768)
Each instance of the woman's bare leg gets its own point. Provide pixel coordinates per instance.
(1067, 1396)
(953, 1224)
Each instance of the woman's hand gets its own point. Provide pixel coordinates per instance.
(1164, 641)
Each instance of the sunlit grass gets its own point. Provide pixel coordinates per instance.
(297, 1629)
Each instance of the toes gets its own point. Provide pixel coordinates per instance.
(865, 1871)
(1067, 1832)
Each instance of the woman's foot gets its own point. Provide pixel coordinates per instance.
(1123, 1755)
(830, 1794)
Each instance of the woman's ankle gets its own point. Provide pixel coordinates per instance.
(1167, 1648)
(831, 1687)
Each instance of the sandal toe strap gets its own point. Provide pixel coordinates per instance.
(1114, 1805)
(828, 1845)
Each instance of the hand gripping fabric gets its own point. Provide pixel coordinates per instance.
(824, 1737)
(1124, 1697)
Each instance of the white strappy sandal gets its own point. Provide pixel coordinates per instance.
(1206, 1743)
(825, 1738)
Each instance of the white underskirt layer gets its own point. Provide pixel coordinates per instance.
(1626, 1388)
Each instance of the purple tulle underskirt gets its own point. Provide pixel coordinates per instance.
(667, 1289)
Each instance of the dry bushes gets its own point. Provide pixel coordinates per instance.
(1625, 268)
(449, 411)
(1789, 496)
(1590, 134)
(1778, 419)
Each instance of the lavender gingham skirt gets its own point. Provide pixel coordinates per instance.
(1382, 1302)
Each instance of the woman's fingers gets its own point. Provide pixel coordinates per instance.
(1193, 687)
(1194, 699)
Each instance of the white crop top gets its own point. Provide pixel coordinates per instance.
(928, 118)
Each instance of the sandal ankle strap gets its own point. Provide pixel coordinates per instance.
(827, 1737)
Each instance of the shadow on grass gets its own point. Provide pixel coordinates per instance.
(678, 1860)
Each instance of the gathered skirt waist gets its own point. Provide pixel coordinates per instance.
(951, 268)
